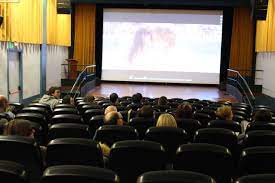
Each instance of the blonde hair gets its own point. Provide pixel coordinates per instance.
(166, 120)
(110, 109)
(113, 118)
(224, 112)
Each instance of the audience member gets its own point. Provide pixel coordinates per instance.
(51, 97)
(146, 111)
(166, 120)
(224, 113)
(263, 115)
(67, 99)
(110, 108)
(89, 98)
(184, 111)
(162, 101)
(5, 108)
(21, 127)
(113, 118)
(113, 99)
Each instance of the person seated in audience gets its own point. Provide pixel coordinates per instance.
(51, 97)
(166, 120)
(67, 99)
(146, 111)
(263, 115)
(89, 98)
(114, 99)
(5, 108)
(113, 118)
(162, 101)
(22, 127)
(224, 113)
(184, 111)
(140, 97)
(110, 108)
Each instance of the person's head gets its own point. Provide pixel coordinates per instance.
(54, 91)
(3, 103)
(184, 111)
(113, 98)
(166, 120)
(89, 98)
(19, 127)
(113, 118)
(67, 99)
(146, 111)
(224, 113)
(263, 115)
(136, 99)
(110, 108)
(162, 100)
(139, 95)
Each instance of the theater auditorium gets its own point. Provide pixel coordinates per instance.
(137, 91)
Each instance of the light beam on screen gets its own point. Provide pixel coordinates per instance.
(172, 46)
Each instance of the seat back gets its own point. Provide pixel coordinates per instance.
(94, 123)
(13, 172)
(259, 138)
(169, 137)
(202, 118)
(89, 106)
(66, 118)
(142, 124)
(226, 124)
(88, 114)
(258, 178)
(174, 176)
(38, 110)
(190, 126)
(22, 150)
(57, 111)
(260, 125)
(213, 160)
(16, 107)
(131, 158)
(63, 106)
(257, 160)
(110, 134)
(74, 151)
(67, 130)
(78, 173)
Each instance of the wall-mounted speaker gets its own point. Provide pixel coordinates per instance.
(64, 6)
(1, 20)
(260, 9)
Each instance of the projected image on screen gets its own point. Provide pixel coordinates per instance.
(174, 46)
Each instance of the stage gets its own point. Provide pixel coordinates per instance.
(203, 92)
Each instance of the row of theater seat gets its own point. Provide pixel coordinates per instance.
(16, 173)
(130, 159)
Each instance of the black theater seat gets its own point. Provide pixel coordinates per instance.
(226, 124)
(66, 118)
(258, 178)
(64, 111)
(67, 130)
(169, 137)
(260, 125)
(213, 160)
(110, 134)
(174, 176)
(259, 138)
(63, 106)
(22, 150)
(78, 173)
(88, 114)
(95, 122)
(190, 126)
(13, 172)
(131, 158)
(38, 110)
(219, 136)
(257, 160)
(16, 107)
(74, 151)
(87, 107)
(45, 106)
(202, 118)
(142, 124)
